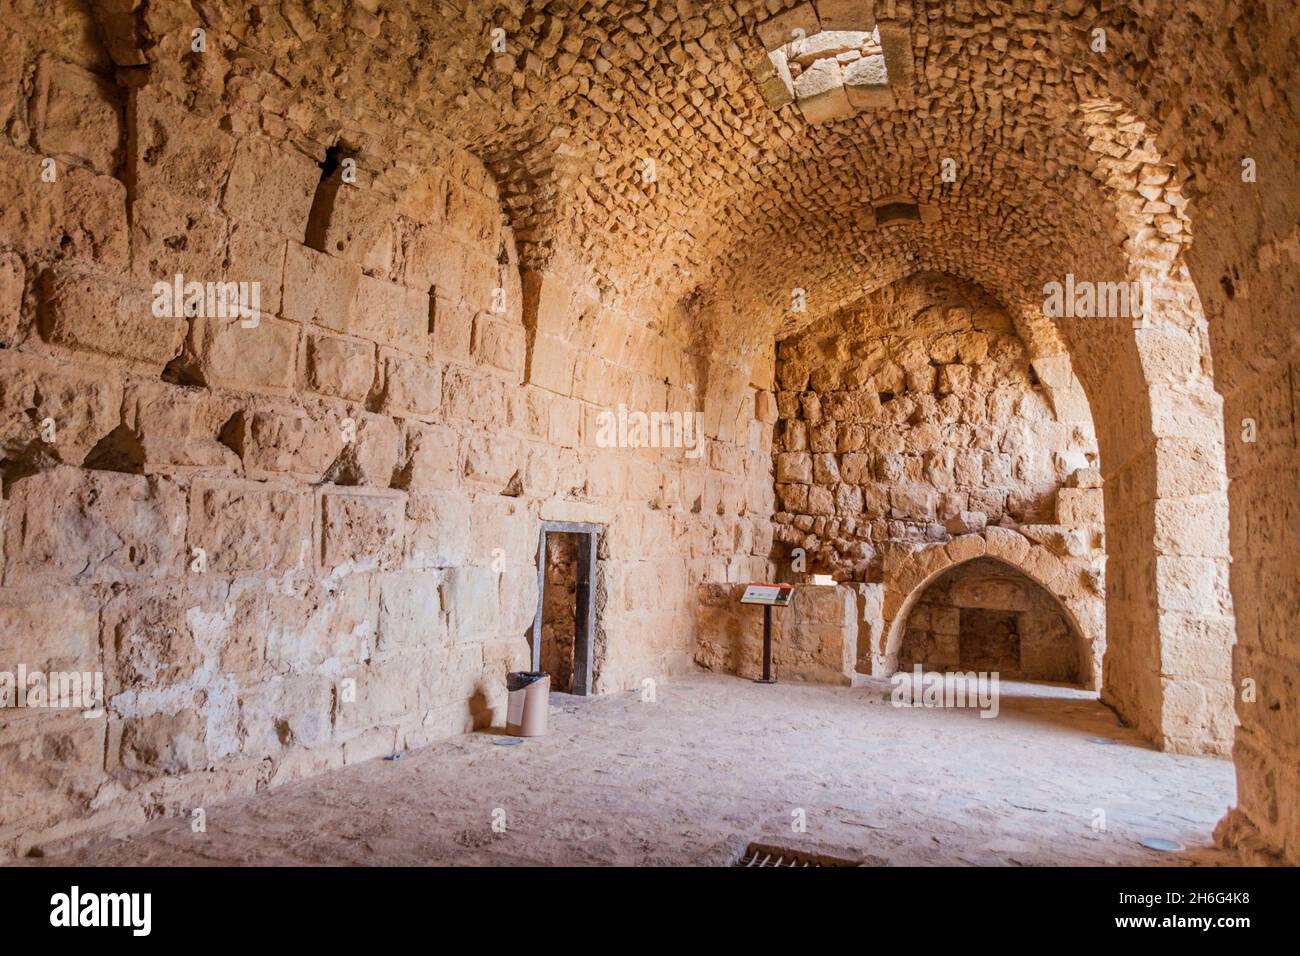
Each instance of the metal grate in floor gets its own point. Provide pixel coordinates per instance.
(761, 854)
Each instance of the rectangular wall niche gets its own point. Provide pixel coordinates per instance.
(891, 212)
(564, 629)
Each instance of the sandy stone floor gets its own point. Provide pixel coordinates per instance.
(718, 761)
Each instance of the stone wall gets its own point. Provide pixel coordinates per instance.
(814, 639)
(651, 172)
(1247, 271)
(309, 537)
(911, 417)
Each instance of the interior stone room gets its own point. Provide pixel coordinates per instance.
(355, 354)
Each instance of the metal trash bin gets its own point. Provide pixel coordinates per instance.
(528, 703)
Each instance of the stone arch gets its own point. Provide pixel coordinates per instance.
(905, 581)
(1169, 611)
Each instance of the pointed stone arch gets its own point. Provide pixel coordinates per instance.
(1169, 612)
(1080, 603)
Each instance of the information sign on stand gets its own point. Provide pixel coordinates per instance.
(769, 596)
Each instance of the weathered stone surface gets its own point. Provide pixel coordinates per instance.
(499, 345)
(257, 255)
(453, 328)
(799, 20)
(249, 526)
(370, 454)
(866, 82)
(287, 440)
(340, 367)
(284, 715)
(412, 388)
(845, 15)
(432, 458)
(79, 526)
(147, 641)
(354, 223)
(74, 115)
(178, 151)
(1079, 506)
(81, 215)
(362, 530)
(11, 69)
(41, 400)
(656, 216)
(438, 530)
(178, 427)
(519, 598)
(158, 743)
(12, 282)
(410, 612)
(241, 353)
(965, 522)
(54, 769)
(175, 235)
(271, 187)
(55, 630)
(490, 461)
(320, 624)
(470, 596)
(319, 288)
(93, 313)
(391, 314)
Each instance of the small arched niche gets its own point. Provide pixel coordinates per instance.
(986, 615)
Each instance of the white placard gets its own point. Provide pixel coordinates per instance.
(777, 595)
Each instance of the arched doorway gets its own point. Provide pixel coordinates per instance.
(1010, 578)
(985, 615)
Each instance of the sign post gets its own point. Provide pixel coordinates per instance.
(770, 596)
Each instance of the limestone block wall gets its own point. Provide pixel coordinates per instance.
(1065, 161)
(912, 417)
(687, 511)
(814, 639)
(306, 538)
(1247, 276)
(253, 515)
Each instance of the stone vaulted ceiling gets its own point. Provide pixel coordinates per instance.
(566, 207)
(745, 202)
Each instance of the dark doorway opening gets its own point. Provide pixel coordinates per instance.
(564, 628)
(989, 640)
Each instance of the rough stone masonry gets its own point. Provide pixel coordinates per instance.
(305, 535)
